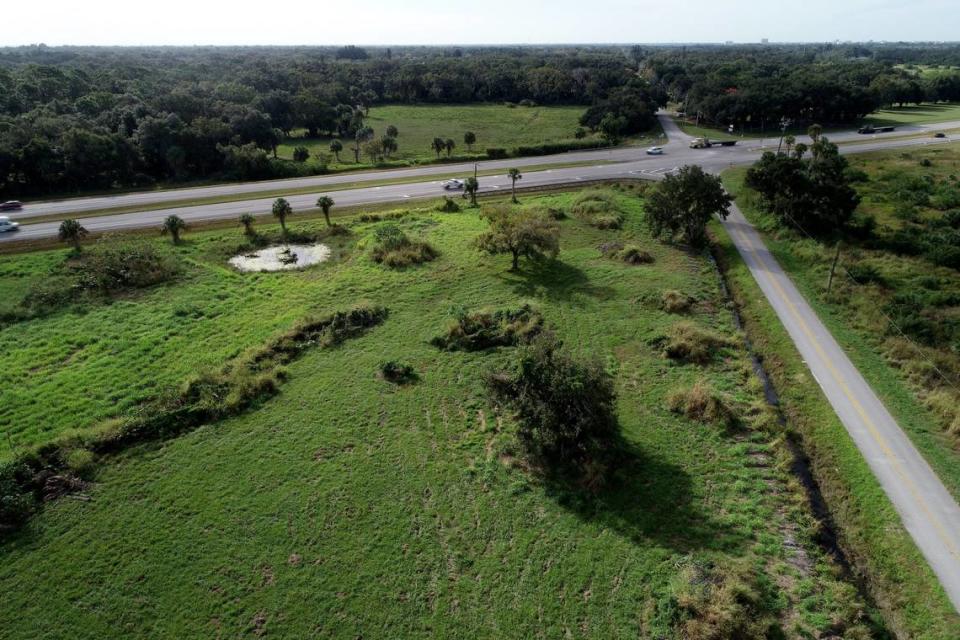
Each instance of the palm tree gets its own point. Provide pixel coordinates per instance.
(438, 145)
(73, 232)
(247, 221)
(173, 225)
(449, 145)
(325, 202)
(392, 131)
(514, 175)
(789, 140)
(282, 209)
(336, 147)
(389, 144)
(470, 187)
(815, 131)
(468, 139)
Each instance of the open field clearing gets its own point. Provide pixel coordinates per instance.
(346, 505)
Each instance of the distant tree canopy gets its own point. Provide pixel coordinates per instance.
(80, 118)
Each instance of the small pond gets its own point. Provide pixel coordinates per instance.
(282, 258)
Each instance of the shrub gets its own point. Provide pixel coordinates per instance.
(709, 602)
(394, 249)
(566, 409)
(703, 404)
(497, 153)
(598, 209)
(489, 329)
(79, 462)
(396, 372)
(551, 148)
(866, 274)
(448, 205)
(632, 254)
(610, 249)
(673, 301)
(16, 503)
(691, 343)
(116, 265)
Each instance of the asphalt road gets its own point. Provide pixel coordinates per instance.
(929, 513)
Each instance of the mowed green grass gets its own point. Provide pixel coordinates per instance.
(495, 125)
(348, 507)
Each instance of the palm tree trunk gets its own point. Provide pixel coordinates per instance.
(516, 261)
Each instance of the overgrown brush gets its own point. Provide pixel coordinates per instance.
(632, 254)
(673, 301)
(397, 372)
(396, 250)
(598, 209)
(689, 342)
(488, 329)
(565, 409)
(702, 403)
(207, 397)
(448, 205)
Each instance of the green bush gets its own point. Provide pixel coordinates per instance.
(394, 249)
(488, 329)
(673, 301)
(689, 342)
(565, 409)
(448, 205)
(632, 254)
(116, 265)
(866, 274)
(496, 153)
(396, 372)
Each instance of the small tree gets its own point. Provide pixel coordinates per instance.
(73, 232)
(282, 209)
(519, 233)
(470, 187)
(469, 138)
(789, 141)
(684, 203)
(392, 131)
(247, 221)
(438, 145)
(389, 145)
(336, 147)
(566, 410)
(325, 203)
(514, 175)
(580, 133)
(301, 154)
(174, 226)
(363, 134)
(449, 145)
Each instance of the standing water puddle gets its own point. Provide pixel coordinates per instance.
(283, 258)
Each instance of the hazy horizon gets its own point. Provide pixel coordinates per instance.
(492, 23)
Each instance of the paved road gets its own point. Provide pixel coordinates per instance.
(929, 513)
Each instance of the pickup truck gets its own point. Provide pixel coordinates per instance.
(706, 143)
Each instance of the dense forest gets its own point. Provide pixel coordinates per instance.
(74, 119)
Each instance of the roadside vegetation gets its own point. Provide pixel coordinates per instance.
(880, 277)
(504, 450)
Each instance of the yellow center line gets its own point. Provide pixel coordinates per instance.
(941, 530)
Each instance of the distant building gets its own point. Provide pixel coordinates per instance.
(765, 41)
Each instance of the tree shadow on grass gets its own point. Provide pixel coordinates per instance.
(650, 501)
(553, 280)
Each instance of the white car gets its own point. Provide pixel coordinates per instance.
(450, 185)
(655, 151)
(6, 224)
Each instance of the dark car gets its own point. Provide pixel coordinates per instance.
(939, 134)
(11, 205)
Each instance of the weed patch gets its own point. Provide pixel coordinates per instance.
(688, 342)
(489, 329)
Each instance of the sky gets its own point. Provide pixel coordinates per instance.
(444, 22)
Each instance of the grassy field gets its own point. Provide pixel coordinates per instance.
(494, 125)
(347, 507)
